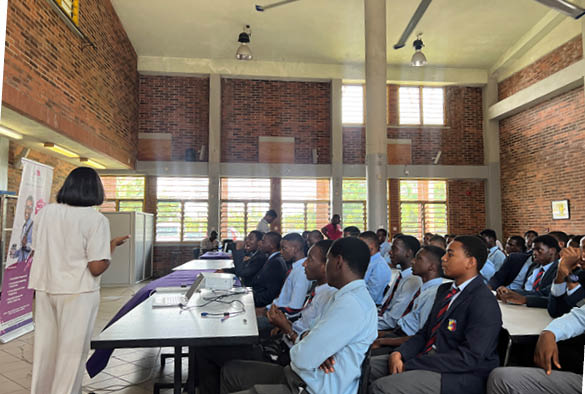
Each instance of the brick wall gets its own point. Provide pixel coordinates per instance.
(87, 94)
(60, 168)
(178, 106)
(166, 257)
(461, 141)
(560, 58)
(253, 108)
(466, 206)
(542, 160)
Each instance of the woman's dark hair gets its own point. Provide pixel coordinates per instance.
(82, 188)
(354, 251)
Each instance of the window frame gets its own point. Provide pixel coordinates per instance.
(424, 203)
(117, 201)
(245, 202)
(363, 123)
(353, 201)
(182, 202)
(74, 16)
(421, 123)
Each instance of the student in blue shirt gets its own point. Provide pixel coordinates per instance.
(456, 349)
(544, 380)
(427, 265)
(328, 358)
(495, 258)
(384, 244)
(379, 274)
(315, 270)
(296, 286)
(399, 295)
(538, 278)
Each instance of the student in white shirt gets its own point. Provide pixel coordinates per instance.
(264, 223)
(72, 248)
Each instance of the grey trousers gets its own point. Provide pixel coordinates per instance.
(254, 377)
(519, 380)
(409, 382)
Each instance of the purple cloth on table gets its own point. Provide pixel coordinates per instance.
(99, 359)
(216, 256)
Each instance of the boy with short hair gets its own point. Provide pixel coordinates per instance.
(457, 348)
(379, 274)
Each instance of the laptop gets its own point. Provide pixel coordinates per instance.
(174, 299)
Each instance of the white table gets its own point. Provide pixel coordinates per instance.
(199, 265)
(521, 320)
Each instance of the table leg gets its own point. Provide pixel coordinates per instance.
(178, 381)
(191, 383)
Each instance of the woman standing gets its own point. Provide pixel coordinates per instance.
(72, 247)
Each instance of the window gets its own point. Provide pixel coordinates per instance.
(244, 201)
(421, 105)
(70, 8)
(123, 194)
(355, 193)
(423, 207)
(305, 204)
(181, 209)
(352, 104)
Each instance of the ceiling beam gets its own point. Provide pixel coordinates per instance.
(543, 27)
(351, 72)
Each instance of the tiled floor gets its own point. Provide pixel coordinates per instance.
(129, 371)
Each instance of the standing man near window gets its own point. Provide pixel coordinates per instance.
(264, 223)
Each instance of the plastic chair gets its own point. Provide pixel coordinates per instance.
(365, 377)
(504, 346)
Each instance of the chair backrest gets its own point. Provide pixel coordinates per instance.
(365, 377)
(227, 244)
(504, 345)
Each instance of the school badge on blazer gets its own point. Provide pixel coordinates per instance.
(452, 325)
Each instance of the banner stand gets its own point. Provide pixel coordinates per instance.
(16, 299)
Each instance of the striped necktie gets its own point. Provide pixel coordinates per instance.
(311, 295)
(409, 307)
(444, 306)
(538, 280)
(389, 299)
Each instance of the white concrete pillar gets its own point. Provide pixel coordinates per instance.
(491, 148)
(376, 140)
(336, 149)
(214, 151)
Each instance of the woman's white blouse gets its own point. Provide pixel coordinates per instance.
(65, 240)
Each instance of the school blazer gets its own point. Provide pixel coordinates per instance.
(558, 306)
(246, 270)
(268, 281)
(509, 271)
(467, 340)
(539, 299)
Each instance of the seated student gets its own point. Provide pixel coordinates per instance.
(495, 258)
(328, 358)
(566, 291)
(351, 231)
(296, 286)
(210, 243)
(379, 274)
(427, 238)
(333, 230)
(529, 237)
(456, 349)
(561, 237)
(267, 282)
(544, 380)
(450, 238)
(438, 241)
(397, 298)
(314, 237)
(537, 280)
(516, 262)
(315, 270)
(515, 244)
(248, 258)
(427, 265)
(211, 359)
(384, 244)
